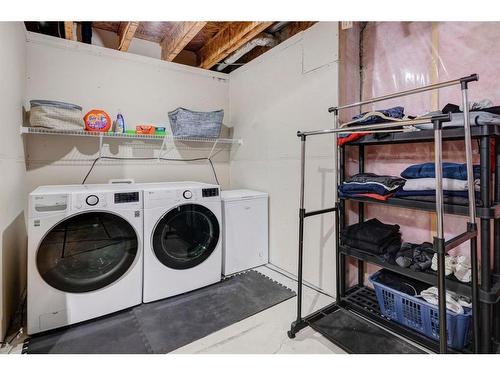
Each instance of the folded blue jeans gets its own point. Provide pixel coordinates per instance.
(359, 188)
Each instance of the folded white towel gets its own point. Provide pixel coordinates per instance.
(454, 302)
(430, 184)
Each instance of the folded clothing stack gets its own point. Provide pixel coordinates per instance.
(421, 183)
(416, 257)
(370, 185)
(481, 113)
(372, 236)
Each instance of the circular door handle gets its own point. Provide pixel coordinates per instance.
(187, 194)
(92, 200)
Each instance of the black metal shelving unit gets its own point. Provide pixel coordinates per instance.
(361, 300)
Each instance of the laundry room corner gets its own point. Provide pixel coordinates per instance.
(271, 98)
(13, 186)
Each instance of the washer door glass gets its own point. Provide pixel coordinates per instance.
(87, 252)
(186, 236)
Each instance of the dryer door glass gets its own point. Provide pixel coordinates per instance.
(87, 252)
(186, 236)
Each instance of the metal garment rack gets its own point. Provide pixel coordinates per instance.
(481, 317)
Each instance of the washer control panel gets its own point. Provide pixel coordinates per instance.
(128, 197)
(187, 194)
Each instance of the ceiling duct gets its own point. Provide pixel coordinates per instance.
(263, 41)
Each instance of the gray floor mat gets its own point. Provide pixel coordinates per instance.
(118, 333)
(355, 335)
(163, 326)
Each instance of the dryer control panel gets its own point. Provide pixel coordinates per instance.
(210, 192)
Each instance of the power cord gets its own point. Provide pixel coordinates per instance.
(152, 158)
(17, 320)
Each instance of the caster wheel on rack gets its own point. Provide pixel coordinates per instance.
(290, 334)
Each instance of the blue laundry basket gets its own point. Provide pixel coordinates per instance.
(421, 316)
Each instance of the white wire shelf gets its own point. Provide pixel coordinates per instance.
(153, 137)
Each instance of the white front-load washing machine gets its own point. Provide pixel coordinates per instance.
(85, 253)
(182, 238)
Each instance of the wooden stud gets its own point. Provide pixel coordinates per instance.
(68, 30)
(126, 32)
(229, 39)
(173, 43)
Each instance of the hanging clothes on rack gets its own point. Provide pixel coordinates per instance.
(371, 117)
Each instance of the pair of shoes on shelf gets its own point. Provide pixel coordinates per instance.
(456, 265)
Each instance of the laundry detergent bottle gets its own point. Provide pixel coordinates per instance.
(119, 124)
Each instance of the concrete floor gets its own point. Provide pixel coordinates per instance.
(263, 333)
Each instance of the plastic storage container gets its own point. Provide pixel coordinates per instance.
(421, 316)
(187, 123)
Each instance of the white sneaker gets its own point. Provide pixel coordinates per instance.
(462, 269)
(449, 264)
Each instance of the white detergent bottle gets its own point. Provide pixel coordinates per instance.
(119, 124)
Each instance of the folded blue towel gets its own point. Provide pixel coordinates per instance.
(450, 170)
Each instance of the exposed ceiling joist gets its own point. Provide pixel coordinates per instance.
(126, 32)
(178, 38)
(68, 30)
(228, 40)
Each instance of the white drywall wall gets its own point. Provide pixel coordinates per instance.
(284, 90)
(12, 167)
(143, 89)
(137, 46)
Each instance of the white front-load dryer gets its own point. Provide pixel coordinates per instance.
(85, 253)
(182, 238)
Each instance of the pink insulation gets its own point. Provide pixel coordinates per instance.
(398, 56)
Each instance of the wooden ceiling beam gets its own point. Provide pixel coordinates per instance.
(173, 43)
(68, 30)
(229, 39)
(126, 32)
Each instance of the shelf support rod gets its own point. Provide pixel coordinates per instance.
(213, 148)
(471, 225)
(339, 258)
(439, 244)
(435, 86)
(163, 144)
(299, 323)
(101, 136)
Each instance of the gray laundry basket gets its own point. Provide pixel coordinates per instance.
(186, 123)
